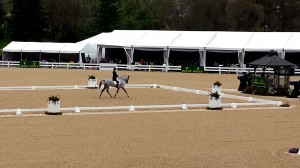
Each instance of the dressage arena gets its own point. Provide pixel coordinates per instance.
(165, 136)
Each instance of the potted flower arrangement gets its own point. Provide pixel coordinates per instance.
(53, 105)
(217, 83)
(214, 101)
(217, 87)
(92, 81)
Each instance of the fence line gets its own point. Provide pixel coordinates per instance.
(149, 68)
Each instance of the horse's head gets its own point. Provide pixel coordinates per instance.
(125, 78)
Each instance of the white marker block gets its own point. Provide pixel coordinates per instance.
(33, 87)
(18, 111)
(131, 108)
(183, 107)
(75, 87)
(233, 105)
(77, 110)
(279, 103)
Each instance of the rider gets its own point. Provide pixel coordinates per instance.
(115, 77)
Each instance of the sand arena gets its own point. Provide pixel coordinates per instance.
(241, 137)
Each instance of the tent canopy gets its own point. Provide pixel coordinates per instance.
(53, 47)
(15, 46)
(78, 48)
(153, 39)
(266, 41)
(96, 39)
(293, 44)
(192, 40)
(122, 38)
(229, 41)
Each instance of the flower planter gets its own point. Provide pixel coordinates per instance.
(214, 103)
(53, 107)
(216, 88)
(92, 83)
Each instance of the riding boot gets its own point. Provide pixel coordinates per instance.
(117, 84)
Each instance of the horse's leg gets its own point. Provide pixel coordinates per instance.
(125, 91)
(117, 92)
(101, 92)
(107, 90)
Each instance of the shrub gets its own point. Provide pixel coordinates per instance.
(92, 77)
(249, 90)
(53, 98)
(217, 83)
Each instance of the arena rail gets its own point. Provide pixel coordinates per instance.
(251, 101)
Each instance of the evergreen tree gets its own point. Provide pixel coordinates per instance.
(2, 20)
(108, 15)
(27, 20)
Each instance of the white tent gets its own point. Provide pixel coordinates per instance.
(192, 40)
(43, 47)
(15, 46)
(229, 41)
(53, 47)
(293, 44)
(34, 47)
(122, 38)
(266, 41)
(94, 41)
(156, 40)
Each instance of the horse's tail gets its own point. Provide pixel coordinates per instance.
(100, 84)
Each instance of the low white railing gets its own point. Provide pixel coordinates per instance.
(109, 66)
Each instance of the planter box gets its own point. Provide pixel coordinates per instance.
(92, 83)
(214, 103)
(54, 107)
(216, 88)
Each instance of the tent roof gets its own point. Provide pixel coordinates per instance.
(154, 39)
(293, 44)
(34, 47)
(53, 47)
(229, 41)
(266, 41)
(78, 48)
(96, 39)
(192, 40)
(271, 60)
(122, 38)
(15, 46)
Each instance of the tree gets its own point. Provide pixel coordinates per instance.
(108, 15)
(137, 14)
(27, 20)
(244, 16)
(2, 20)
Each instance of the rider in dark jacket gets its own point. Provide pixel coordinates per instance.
(115, 76)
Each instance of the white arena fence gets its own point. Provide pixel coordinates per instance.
(149, 68)
(251, 101)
